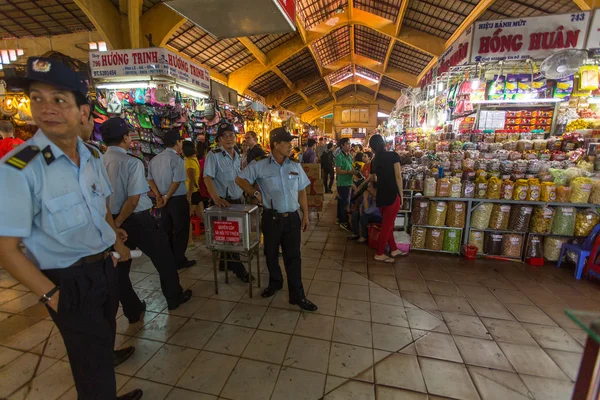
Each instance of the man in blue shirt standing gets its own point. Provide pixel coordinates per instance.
(166, 176)
(131, 206)
(57, 206)
(282, 185)
(221, 167)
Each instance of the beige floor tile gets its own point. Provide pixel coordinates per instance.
(567, 361)
(182, 394)
(458, 305)
(315, 326)
(195, 333)
(385, 281)
(352, 390)
(168, 364)
(7, 355)
(231, 291)
(508, 296)
(558, 315)
(282, 300)
(390, 338)
(444, 378)
(384, 296)
(208, 373)
(348, 361)
(267, 346)
(333, 382)
(354, 292)
(144, 351)
(188, 309)
(437, 345)
(330, 275)
(553, 337)
(444, 288)
(329, 264)
(421, 319)
(214, 310)
(278, 320)
(324, 288)
(388, 315)
(400, 371)
(482, 353)
(491, 309)
(353, 278)
(420, 300)
(531, 361)
(298, 384)
(354, 332)
(388, 393)
(476, 292)
(125, 328)
(10, 294)
(20, 304)
(508, 331)
(51, 384)
(203, 289)
(498, 385)
(229, 339)
(354, 309)
(579, 335)
(548, 389)
(251, 380)
(161, 328)
(307, 353)
(412, 284)
(17, 373)
(30, 337)
(152, 390)
(531, 314)
(466, 325)
(246, 315)
(327, 305)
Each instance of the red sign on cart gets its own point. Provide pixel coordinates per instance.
(226, 231)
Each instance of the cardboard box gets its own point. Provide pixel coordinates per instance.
(315, 200)
(316, 187)
(312, 170)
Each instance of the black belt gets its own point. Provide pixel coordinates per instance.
(95, 258)
(279, 215)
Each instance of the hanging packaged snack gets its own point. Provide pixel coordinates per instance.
(511, 245)
(564, 88)
(564, 221)
(548, 192)
(552, 247)
(419, 212)
(494, 188)
(456, 214)
(468, 190)
(434, 239)
(512, 82)
(533, 192)
(541, 220)
(580, 190)
(500, 216)
(480, 218)
(430, 187)
(521, 189)
(534, 247)
(520, 215)
(563, 194)
(455, 186)
(437, 213)
(481, 185)
(588, 77)
(506, 191)
(492, 243)
(443, 187)
(452, 240)
(585, 221)
(595, 193)
(417, 237)
(476, 239)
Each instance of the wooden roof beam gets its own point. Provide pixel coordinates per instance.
(388, 54)
(587, 5)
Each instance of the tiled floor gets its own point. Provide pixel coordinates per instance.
(429, 327)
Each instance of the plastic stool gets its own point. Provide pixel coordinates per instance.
(197, 229)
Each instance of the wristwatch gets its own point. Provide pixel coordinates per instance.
(46, 297)
(256, 194)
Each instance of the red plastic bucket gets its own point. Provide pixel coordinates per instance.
(469, 251)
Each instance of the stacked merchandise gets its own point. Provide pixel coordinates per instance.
(437, 225)
(314, 192)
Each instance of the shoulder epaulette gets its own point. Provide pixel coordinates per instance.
(258, 158)
(216, 151)
(93, 150)
(20, 159)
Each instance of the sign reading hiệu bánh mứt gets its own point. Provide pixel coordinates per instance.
(535, 38)
(147, 62)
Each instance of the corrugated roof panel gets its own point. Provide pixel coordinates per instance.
(341, 75)
(316, 87)
(299, 65)
(409, 59)
(392, 84)
(333, 46)
(324, 101)
(343, 91)
(438, 17)
(266, 84)
(370, 43)
(291, 100)
(267, 43)
(388, 9)
(314, 12)
(503, 9)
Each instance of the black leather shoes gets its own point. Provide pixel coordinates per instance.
(305, 304)
(269, 291)
(122, 355)
(185, 296)
(133, 395)
(187, 264)
(134, 320)
(245, 277)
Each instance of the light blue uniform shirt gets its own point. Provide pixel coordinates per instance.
(166, 168)
(279, 184)
(58, 209)
(223, 169)
(127, 177)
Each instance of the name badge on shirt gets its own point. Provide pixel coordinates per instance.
(292, 175)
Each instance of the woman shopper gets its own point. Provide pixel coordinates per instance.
(192, 171)
(204, 195)
(386, 171)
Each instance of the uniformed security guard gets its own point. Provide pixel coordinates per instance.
(220, 170)
(282, 183)
(131, 206)
(166, 176)
(57, 205)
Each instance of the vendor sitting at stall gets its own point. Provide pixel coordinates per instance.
(367, 213)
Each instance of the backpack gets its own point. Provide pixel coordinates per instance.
(327, 160)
